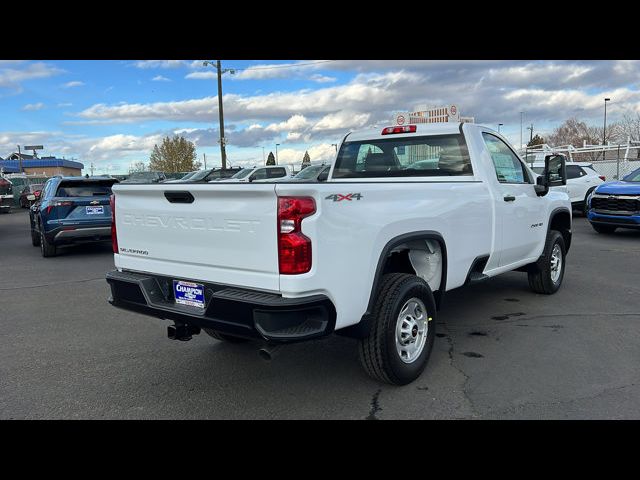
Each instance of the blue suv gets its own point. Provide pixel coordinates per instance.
(616, 204)
(71, 210)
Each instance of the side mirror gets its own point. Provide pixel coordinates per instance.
(323, 176)
(555, 169)
(554, 174)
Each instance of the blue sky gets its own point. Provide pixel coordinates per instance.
(111, 113)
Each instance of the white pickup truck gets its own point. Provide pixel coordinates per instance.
(407, 213)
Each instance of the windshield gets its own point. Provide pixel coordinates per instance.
(143, 176)
(426, 156)
(189, 175)
(309, 173)
(199, 175)
(633, 176)
(243, 173)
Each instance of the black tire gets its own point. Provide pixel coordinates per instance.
(223, 337)
(378, 353)
(46, 248)
(540, 273)
(585, 207)
(35, 238)
(603, 228)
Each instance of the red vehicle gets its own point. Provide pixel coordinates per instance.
(6, 195)
(29, 194)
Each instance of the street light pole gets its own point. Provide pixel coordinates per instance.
(604, 130)
(521, 113)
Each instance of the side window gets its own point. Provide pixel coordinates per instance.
(574, 171)
(509, 168)
(276, 172)
(260, 174)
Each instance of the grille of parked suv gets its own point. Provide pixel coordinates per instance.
(615, 203)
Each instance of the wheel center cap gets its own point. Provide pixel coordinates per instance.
(414, 331)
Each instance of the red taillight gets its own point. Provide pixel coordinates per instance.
(404, 129)
(114, 233)
(603, 178)
(37, 193)
(294, 248)
(64, 203)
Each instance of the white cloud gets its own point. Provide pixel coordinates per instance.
(296, 122)
(11, 77)
(147, 64)
(319, 152)
(342, 120)
(322, 78)
(32, 107)
(201, 76)
(160, 78)
(75, 83)
(64, 105)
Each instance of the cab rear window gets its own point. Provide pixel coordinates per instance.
(426, 156)
(84, 189)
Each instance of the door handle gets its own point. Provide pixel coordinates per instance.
(509, 198)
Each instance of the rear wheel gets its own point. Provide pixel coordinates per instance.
(400, 341)
(545, 276)
(603, 228)
(223, 337)
(46, 249)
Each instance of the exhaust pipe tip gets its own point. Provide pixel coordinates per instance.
(269, 352)
(265, 355)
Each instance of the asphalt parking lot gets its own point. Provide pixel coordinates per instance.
(502, 351)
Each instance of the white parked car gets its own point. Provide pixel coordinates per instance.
(582, 179)
(258, 174)
(370, 253)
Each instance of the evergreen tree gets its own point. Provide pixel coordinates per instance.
(271, 159)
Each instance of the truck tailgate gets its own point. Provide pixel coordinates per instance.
(221, 233)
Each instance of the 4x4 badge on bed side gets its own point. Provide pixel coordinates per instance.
(338, 197)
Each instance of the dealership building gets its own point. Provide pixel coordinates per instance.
(46, 166)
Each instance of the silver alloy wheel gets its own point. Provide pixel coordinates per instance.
(556, 263)
(412, 327)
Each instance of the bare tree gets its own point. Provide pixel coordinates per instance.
(577, 133)
(138, 167)
(629, 128)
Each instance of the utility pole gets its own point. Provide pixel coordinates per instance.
(205, 160)
(277, 153)
(604, 130)
(531, 137)
(263, 155)
(221, 115)
(91, 169)
(222, 140)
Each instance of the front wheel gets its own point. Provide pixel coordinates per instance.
(402, 332)
(545, 276)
